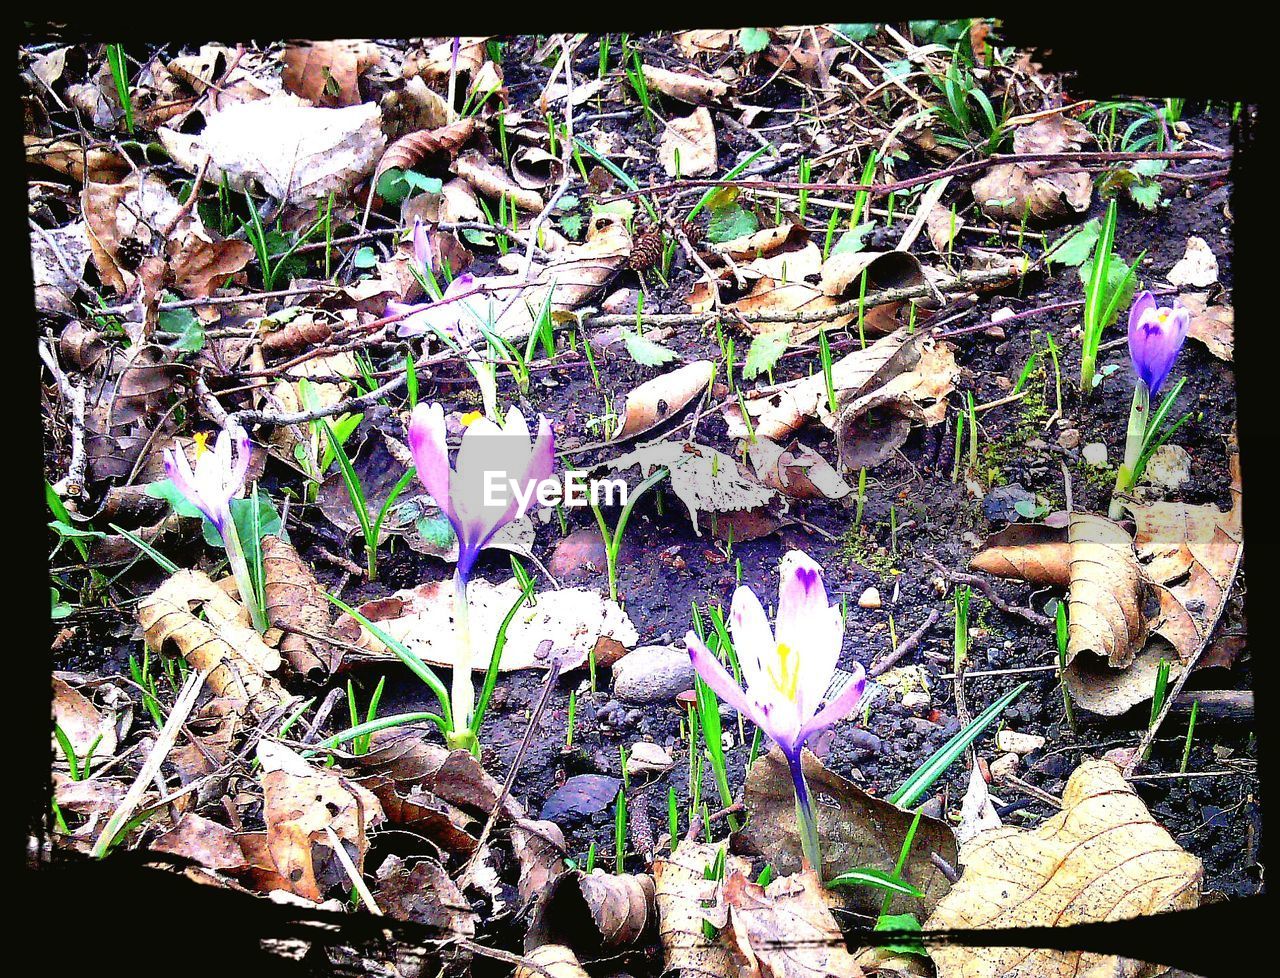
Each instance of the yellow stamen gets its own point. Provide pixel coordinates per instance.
(201, 438)
(787, 678)
(470, 417)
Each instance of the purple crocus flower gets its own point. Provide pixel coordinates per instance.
(1156, 335)
(423, 252)
(504, 456)
(218, 477)
(787, 672)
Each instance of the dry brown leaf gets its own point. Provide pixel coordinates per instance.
(656, 400)
(425, 895)
(540, 849)
(785, 930)
(409, 150)
(595, 914)
(201, 265)
(68, 157)
(295, 853)
(413, 108)
(796, 470)
(1193, 553)
(555, 959)
(295, 151)
(684, 86)
(1108, 669)
(693, 140)
(685, 898)
(327, 72)
(1102, 858)
(693, 43)
(1214, 326)
(223, 641)
(565, 624)
(88, 729)
(494, 182)
(206, 842)
(873, 424)
(436, 62)
(1043, 193)
(535, 168)
(1031, 552)
(857, 830)
(293, 601)
(58, 259)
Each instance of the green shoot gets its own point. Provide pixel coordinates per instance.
(1191, 729)
(613, 540)
(824, 353)
(1061, 633)
(573, 716)
(120, 75)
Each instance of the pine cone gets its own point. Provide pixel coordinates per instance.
(694, 232)
(647, 249)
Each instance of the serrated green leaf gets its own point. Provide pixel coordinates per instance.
(1076, 246)
(852, 240)
(645, 351)
(753, 40)
(1145, 195)
(185, 325)
(765, 351)
(571, 225)
(855, 32)
(365, 257)
(902, 921)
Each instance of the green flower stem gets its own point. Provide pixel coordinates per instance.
(1139, 414)
(806, 818)
(463, 695)
(240, 571)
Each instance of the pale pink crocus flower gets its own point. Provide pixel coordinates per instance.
(786, 672)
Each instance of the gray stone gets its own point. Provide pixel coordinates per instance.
(652, 674)
(1000, 504)
(1095, 453)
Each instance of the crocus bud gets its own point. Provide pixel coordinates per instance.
(1156, 334)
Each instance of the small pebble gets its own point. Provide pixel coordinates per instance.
(1095, 453)
(1003, 766)
(870, 598)
(1069, 438)
(1013, 742)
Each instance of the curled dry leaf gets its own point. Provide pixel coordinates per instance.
(693, 140)
(796, 471)
(554, 959)
(409, 150)
(1214, 326)
(294, 601)
(1045, 193)
(684, 86)
(873, 424)
(596, 914)
(221, 641)
(785, 930)
(422, 618)
(1108, 670)
(294, 151)
(654, 401)
(685, 898)
(1103, 857)
(494, 182)
(855, 828)
(705, 480)
(540, 849)
(69, 158)
(535, 168)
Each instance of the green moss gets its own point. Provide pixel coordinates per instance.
(858, 547)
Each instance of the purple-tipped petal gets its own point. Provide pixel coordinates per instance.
(422, 251)
(840, 707)
(708, 667)
(752, 640)
(430, 452)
